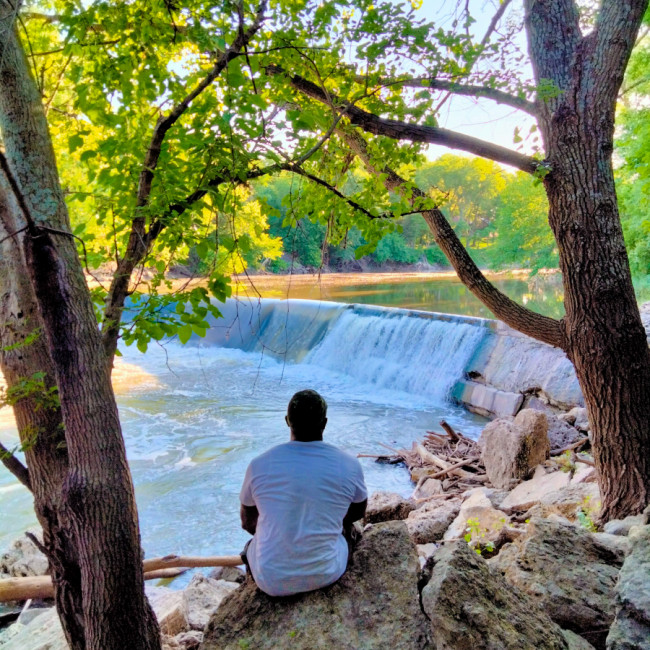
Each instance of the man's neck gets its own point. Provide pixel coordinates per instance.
(316, 438)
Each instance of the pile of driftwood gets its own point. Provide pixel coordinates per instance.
(450, 457)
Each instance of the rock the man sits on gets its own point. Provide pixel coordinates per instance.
(299, 501)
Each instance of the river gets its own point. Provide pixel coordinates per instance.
(194, 416)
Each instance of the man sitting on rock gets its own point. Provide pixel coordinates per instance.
(299, 501)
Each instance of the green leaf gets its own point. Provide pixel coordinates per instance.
(184, 333)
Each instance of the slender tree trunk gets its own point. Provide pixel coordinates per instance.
(97, 493)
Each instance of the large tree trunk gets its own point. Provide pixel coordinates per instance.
(604, 336)
(40, 426)
(98, 508)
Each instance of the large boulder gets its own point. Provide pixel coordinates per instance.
(387, 506)
(568, 572)
(374, 605)
(471, 609)
(631, 629)
(429, 522)
(511, 449)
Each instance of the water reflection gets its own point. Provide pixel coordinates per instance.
(428, 292)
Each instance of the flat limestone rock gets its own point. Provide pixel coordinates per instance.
(429, 523)
(471, 609)
(374, 605)
(477, 508)
(387, 506)
(528, 493)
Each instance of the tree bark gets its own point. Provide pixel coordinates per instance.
(40, 429)
(98, 500)
(605, 338)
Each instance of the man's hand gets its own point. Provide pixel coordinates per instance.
(355, 512)
(249, 515)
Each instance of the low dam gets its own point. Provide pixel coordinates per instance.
(477, 362)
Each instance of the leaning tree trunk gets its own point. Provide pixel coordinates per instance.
(23, 353)
(99, 508)
(604, 335)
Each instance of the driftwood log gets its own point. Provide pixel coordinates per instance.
(155, 568)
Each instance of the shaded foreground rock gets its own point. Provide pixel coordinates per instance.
(512, 449)
(471, 609)
(568, 573)
(375, 605)
(631, 629)
(387, 506)
(429, 522)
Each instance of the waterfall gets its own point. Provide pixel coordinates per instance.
(411, 354)
(419, 353)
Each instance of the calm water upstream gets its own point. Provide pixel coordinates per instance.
(439, 292)
(194, 416)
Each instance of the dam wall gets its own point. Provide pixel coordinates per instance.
(480, 363)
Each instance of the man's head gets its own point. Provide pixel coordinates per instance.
(307, 416)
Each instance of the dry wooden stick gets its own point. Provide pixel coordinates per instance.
(575, 445)
(450, 432)
(462, 463)
(171, 561)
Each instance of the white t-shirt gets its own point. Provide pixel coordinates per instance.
(302, 491)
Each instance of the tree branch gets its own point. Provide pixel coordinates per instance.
(456, 88)
(524, 320)
(615, 33)
(15, 467)
(139, 239)
(407, 131)
(494, 22)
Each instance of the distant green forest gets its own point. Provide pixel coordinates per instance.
(500, 216)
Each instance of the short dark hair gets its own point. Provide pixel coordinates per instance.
(307, 413)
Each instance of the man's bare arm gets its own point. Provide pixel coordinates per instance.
(355, 512)
(249, 515)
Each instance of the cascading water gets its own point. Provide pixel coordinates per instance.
(414, 355)
(418, 353)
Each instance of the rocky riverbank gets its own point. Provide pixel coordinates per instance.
(497, 550)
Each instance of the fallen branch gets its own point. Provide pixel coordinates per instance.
(155, 568)
(190, 562)
(575, 445)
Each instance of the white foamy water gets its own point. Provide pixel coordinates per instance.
(402, 353)
(194, 416)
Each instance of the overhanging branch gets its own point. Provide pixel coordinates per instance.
(140, 239)
(469, 90)
(524, 320)
(15, 467)
(397, 130)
